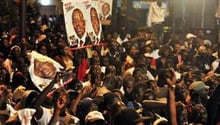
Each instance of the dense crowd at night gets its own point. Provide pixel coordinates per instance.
(128, 78)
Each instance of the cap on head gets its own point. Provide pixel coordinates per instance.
(190, 35)
(94, 116)
(198, 86)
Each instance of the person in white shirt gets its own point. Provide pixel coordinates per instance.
(157, 13)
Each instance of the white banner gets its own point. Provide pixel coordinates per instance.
(42, 69)
(82, 21)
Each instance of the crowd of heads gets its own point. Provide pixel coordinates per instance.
(122, 82)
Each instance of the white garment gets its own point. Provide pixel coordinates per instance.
(39, 82)
(103, 69)
(105, 17)
(11, 109)
(46, 116)
(83, 39)
(155, 54)
(156, 14)
(215, 64)
(178, 75)
(25, 115)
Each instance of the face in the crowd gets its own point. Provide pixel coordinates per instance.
(105, 61)
(5, 42)
(111, 69)
(61, 96)
(78, 23)
(105, 9)
(43, 50)
(133, 50)
(95, 20)
(128, 88)
(44, 69)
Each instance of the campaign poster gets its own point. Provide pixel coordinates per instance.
(82, 21)
(75, 23)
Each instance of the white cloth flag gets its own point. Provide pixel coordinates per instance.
(42, 69)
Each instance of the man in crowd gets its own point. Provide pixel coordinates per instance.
(156, 18)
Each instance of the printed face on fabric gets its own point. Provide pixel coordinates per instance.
(44, 69)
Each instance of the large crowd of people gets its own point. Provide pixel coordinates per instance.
(130, 79)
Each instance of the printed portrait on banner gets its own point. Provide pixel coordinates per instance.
(82, 21)
(75, 23)
(42, 69)
(94, 26)
(106, 11)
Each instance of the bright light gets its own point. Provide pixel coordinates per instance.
(45, 2)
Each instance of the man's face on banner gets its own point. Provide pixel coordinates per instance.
(78, 22)
(44, 69)
(105, 9)
(95, 20)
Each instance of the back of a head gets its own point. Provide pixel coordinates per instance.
(110, 82)
(165, 51)
(138, 91)
(163, 75)
(112, 102)
(110, 69)
(128, 116)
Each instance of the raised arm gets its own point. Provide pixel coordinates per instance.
(40, 99)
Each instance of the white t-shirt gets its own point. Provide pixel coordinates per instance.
(46, 116)
(48, 113)
(156, 14)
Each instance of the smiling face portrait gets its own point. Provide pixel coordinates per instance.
(78, 22)
(44, 69)
(95, 20)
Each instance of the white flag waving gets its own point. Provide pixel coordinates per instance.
(42, 69)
